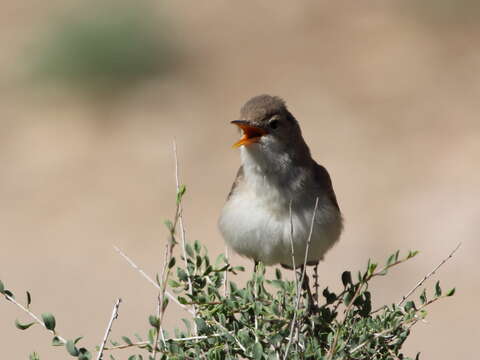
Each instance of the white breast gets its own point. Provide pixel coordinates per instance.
(255, 222)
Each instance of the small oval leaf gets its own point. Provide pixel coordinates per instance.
(71, 348)
(23, 326)
(49, 321)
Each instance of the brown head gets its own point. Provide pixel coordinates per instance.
(267, 117)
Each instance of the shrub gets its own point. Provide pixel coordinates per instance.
(265, 319)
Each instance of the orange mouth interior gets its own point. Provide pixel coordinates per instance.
(251, 134)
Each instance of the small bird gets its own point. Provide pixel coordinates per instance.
(278, 177)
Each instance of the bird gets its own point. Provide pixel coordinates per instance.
(280, 192)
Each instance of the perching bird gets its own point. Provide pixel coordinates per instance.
(277, 172)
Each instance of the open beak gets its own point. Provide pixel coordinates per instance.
(251, 134)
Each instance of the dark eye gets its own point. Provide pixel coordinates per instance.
(273, 124)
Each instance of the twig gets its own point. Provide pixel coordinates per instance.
(109, 328)
(232, 334)
(149, 279)
(225, 276)
(297, 304)
(182, 235)
(293, 249)
(34, 317)
(166, 270)
(420, 283)
(309, 240)
(316, 285)
(145, 343)
(255, 297)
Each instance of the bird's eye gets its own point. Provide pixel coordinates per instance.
(273, 124)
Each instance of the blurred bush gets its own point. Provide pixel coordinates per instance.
(106, 48)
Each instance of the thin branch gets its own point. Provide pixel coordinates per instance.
(182, 235)
(109, 328)
(149, 279)
(225, 276)
(293, 249)
(297, 304)
(308, 243)
(233, 335)
(420, 283)
(34, 317)
(145, 343)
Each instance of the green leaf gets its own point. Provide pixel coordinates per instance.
(9, 293)
(173, 283)
(56, 341)
(49, 321)
(34, 356)
(29, 299)
(257, 351)
(411, 254)
(171, 264)
(438, 289)
(181, 191)
(197, 247)
(2, 288)
(409, 305)
(423, 296)
(371, 268)
(152, 333)
(127, 340)
(450, 292)
(168, 224)
(77, 340)
(201, 325)
(182, 300)
(154, 321)
(71, 348)
(348, 298)
(23, 326)
(84, 354)
(278, 274)
(346, 278)
(181, 274)
(391, 259)
(189, 250)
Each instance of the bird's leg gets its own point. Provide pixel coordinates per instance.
(315, 281)
(306, 287)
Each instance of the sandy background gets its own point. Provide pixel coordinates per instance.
(387, 94)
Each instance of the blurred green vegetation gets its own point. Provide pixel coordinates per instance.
(107, 48)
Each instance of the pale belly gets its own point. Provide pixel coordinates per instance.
(258, 227)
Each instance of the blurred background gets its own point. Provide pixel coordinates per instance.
(93, 94)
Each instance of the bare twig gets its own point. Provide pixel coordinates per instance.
(420, 283)
(297, 303)
(225, 275)
(232, 334)
(315, 278)
(166, 269)
(145, 343)
(109, 328)
(149, 279)
(293, 248)
(182, 235)
(34, 317)
(309, 240)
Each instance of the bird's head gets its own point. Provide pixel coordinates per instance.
(267, 123)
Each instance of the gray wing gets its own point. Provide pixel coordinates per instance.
(322, 178)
